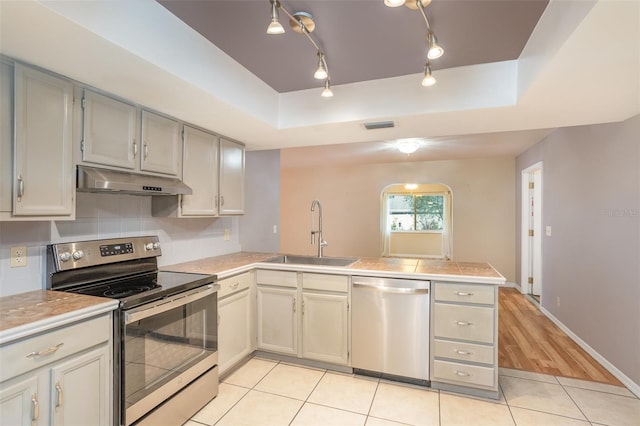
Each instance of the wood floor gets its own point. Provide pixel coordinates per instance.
(528, 340)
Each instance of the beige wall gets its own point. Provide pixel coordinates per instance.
(416, 243)
(483, 207)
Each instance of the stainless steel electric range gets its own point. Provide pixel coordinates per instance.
(165, 330)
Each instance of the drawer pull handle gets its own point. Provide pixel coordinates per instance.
(462, 373)
(47, 351)
(294, 306)
(464, 323)
(462, 293)
(461, 352)
(35, 408)
(234, 285)
(60, 395)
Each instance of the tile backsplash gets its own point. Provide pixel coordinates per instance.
(101, 216)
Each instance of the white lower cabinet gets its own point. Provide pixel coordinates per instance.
(62, 377)
(305, 315)
(325, 321)
(235, 325)
(277, 320)
(464, 344)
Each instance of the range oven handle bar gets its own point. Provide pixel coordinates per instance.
(164, 305)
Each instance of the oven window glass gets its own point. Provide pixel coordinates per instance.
(162, 346)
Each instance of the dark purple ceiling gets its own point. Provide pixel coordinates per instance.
(363, 39)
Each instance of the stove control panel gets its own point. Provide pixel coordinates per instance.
(115, 249)
(82, 254)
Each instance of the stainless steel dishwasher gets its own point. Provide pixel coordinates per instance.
(390, 328)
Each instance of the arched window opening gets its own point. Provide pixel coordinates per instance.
(416, 221)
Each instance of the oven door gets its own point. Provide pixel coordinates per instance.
(166, 344)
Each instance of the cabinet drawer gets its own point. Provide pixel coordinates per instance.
(463, 373)
(466, 293)
(233, 284)
(463, 351)
(278, 278)
(68, 341)
(323, 282)
(463, 322)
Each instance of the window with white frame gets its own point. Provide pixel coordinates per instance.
(415, 212)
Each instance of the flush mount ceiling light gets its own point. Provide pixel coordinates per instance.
(434, 50)
(407, 146)
(302, 23)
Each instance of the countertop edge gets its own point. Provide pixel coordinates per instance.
(30, 329)
(345, 270)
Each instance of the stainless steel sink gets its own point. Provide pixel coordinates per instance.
(312, 260)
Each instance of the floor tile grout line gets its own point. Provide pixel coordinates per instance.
(507, 403)
(577, 405)
(243, 396)
(375, 392)
(307, 398)
(600, 391)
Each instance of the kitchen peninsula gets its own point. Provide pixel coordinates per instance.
(302, 313)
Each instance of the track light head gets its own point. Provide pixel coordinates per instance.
(435, 50)
(326, 92)
(428, 79)
(275, 27)
(321, 71)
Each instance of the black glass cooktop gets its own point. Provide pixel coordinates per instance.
(139, 289)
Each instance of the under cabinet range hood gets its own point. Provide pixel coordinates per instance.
(93, 179)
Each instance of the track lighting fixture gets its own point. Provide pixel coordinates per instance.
(326, 92)
(428, 79)
(302, 22)
(434, 50)
(321, 72)
(275, 27)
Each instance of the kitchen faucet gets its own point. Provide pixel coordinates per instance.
(321, 242)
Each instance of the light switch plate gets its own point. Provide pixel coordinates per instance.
(548, 231)
(18, 256)
(227, 234)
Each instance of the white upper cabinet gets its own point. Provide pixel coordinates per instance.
(161, 145)
(43, 183)
(118, 135)
(109, 131)
(231, 177)
(200, 164)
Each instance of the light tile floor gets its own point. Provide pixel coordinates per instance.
(266, 392)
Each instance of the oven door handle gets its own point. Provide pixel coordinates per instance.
(164, 305)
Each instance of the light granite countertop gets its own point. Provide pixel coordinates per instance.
(25, 314)
(231, 264)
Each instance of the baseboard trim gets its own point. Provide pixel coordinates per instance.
(630, 384)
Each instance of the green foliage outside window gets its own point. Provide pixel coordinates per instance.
(416, 212)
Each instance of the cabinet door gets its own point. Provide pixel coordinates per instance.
(6, 136)
(161, 145)
(231, 177)
(200, 172)
(109, 131)
(325, 327)
(234, 329)
(19, 405)
(80, 389)
(277, 320)
(43, 175)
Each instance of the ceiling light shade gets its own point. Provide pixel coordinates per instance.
(429, 79)
(326, 92)
(321, 72)
(394, 3)
(435, 50)
(411, 186)
(407, 146)
(275, 27)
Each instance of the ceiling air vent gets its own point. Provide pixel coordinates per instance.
(379, 125)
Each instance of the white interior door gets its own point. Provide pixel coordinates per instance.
(531, 259)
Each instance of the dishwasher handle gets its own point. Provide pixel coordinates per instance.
(391, 285)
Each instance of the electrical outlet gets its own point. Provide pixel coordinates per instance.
(558, 301)
(227, 234)
(275, 229)
(18, 256)
(548, 231)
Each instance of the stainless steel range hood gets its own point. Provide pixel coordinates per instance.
(93, 179)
